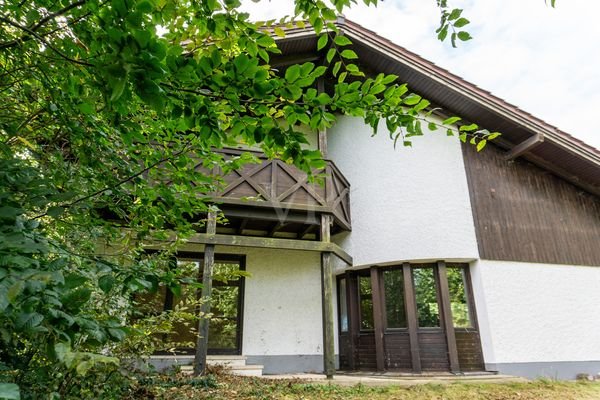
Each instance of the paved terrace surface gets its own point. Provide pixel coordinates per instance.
(399, 379)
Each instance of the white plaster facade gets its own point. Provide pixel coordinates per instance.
(531, 313)
(408, 203)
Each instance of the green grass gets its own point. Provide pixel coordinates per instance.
(228, 387)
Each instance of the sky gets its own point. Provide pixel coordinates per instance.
(544, 60)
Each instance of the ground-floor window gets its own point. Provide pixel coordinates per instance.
(225, 327)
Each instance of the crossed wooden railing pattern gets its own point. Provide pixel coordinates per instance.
(273, 183)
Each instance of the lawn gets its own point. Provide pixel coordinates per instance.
(222, 386)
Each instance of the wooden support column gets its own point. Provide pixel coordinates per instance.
(447, 316)
(411, 318)
(327, 301)
(353, 322)
(207, 265)
(376, 296)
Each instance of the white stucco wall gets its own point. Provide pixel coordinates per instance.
(282, 306)
(537, 312)
(408, 203)
(282, 302)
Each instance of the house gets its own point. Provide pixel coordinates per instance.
(430, 258)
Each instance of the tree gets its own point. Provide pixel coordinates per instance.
(107, 107)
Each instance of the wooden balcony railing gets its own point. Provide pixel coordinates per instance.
(283, 187)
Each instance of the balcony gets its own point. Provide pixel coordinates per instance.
(276, 199)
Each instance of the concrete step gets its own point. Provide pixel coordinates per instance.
(240, 370)
(226, 361)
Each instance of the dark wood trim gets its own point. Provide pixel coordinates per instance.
(525, 146)
(376, 295)
(411, 317)
(353, 318)
(203, 324)
(306, 231)
(327, 301)
(446, 316)
(262, 242)
(240, 229)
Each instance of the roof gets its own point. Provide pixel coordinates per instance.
(523, 134)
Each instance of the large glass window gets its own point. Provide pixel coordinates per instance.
(428, 311)
(365, 302)
(395, 311)
(459, 303)
(343, 305)
(225, 310)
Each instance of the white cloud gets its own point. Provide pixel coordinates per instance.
(544, 60)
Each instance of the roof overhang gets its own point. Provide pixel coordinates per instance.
(523, 135)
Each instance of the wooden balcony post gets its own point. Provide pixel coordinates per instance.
(203, 324)
(327, 301)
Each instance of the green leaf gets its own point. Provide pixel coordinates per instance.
(464, 36)
(443, 33)
(118, 86)
(330, 54)
(279, 31)
(454, 14)
(341, 40)
(292, 73)
(461, 22)
(319, 71)
(9, 391)
(493, 135)
(481, 144)
(468, 128)
(432, 126)
(423, 104)
(349, 54)
(86, 108)
(336, 68)
(28, 321)
(323, 39)
(389, 79)
(412, 99)
(106, 283)
(451, 120)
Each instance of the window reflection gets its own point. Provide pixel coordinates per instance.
(428, 311)
(395, 311)
(458, 297)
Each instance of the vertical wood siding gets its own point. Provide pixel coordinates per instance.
(397, 351)
(433, 350)
(525, 213)
(470, 357)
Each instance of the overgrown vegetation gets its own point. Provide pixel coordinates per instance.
(217, 385)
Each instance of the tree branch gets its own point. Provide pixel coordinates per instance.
(57, 14)
(44, 41)
(119, 183)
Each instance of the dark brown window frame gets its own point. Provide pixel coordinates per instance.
(220, 257)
